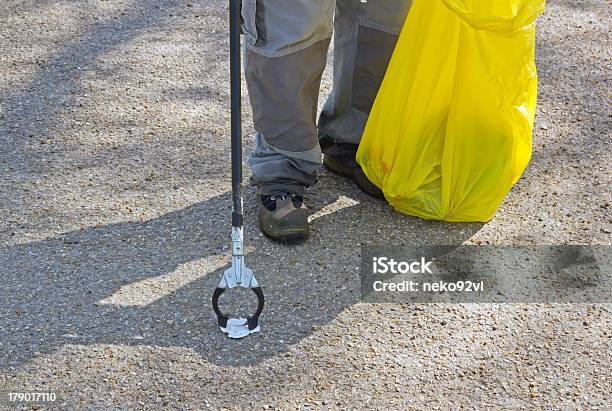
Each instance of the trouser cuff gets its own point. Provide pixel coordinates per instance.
(333, 148)
(275, 188)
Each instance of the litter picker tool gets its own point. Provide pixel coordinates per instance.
(238, 275)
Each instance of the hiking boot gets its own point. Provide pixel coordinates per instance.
(347, 166)
(283, 217)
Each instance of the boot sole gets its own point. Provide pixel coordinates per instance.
(288, 238)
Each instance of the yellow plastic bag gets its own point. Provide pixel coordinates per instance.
(450, 131)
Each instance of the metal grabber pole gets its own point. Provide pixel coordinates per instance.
(238, 274)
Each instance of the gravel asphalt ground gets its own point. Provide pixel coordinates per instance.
(114, 210)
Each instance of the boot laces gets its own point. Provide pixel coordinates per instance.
(269, 201)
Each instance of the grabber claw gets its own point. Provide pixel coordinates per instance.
(238, 275)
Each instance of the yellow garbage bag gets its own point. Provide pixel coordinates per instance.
(450, 131)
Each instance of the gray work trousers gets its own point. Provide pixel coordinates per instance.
(286, 44)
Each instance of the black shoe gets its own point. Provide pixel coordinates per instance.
(347, 166)
(283, 217)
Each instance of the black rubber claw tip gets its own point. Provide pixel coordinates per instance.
(253, 321)
(221, 318)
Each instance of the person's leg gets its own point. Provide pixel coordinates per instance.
(364, 40)
(286, 50)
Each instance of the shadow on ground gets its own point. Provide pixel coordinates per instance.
(68, 290)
